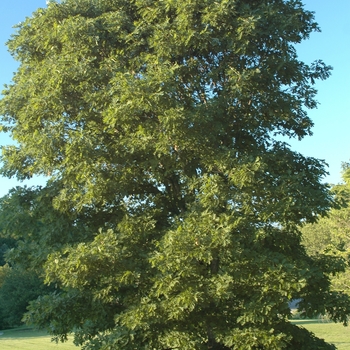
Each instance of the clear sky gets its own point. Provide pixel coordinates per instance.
(330, 140)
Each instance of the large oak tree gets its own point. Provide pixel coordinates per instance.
(171, 216)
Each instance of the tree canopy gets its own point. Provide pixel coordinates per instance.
(171, 217)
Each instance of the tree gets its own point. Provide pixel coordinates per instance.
(156, 123)
(330, 236)
(17, 288)
(22, 254)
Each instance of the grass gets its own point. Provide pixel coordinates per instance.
(334, 333)
(28, 339)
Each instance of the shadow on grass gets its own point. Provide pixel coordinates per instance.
(22, 332)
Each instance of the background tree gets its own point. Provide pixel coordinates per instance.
(156, 122)
(4, 269)
(330, 236)
(17, 288)
(21, 256)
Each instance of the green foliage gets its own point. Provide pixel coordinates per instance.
(171, 216)
(329, 238)
(28, 218)
(17, 289)
(5, 245)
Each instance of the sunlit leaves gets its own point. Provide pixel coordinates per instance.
(171, 216)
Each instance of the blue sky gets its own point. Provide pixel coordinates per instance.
(330, 140)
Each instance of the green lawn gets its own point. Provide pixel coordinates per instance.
(26, 339)
(22, 339)
(334, 333)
